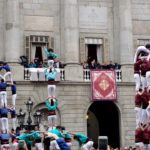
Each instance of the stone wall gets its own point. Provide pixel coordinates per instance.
(141, 21)
(96, 21)
(74, 102)
(46, 16)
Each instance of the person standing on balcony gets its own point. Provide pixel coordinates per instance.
(50, 54)
(50, 74)
(51, 105)
(93, 64)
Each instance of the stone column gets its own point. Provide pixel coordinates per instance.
(71, 31)
(125, 50)
(13, 36)
(2, 30)
(126, 39)
(71, 40)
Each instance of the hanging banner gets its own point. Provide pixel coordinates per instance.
(103, 85)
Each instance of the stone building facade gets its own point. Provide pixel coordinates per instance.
(111, 29)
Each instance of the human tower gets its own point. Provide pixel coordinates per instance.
(51, 104)
(56, 136)
(142, 96)
(6, 81)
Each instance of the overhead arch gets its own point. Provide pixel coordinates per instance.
(103, 119)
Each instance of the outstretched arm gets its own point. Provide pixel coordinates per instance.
(51, 135)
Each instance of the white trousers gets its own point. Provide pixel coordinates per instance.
(2, 77)
(69, 144)
(52, 120)
(14, 123)
(5, 146)
(144, 117)
(138, 112)
(148, 110)
(87, 146)
(39, 146)
(144, 83)
(140, 144)
(8, 74)
(14, 96)
(54, 145)
(51, 90)
(14, 146)
(146, 147)
(4, 124)
(3, 96)
(137, 80)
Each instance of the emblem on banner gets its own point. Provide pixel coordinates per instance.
(103, 85)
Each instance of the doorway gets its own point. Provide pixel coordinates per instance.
(103, 117)
(92, 51)
(38, 53)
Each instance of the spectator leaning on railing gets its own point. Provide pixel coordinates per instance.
(96, 65)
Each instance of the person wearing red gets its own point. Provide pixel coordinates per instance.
(51, 105)
(143, 69)
(146, 135)
(148, 74)
(140, 52)
(145, 99)
(50, 74)
(138, 109)
(137, 77)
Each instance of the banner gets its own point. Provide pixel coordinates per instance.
(103, 85)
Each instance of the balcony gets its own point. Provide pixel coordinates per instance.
(37, 74)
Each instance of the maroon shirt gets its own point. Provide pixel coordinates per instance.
(138, 135)
(146, 136)
(137, 66)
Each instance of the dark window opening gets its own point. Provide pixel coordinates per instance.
(92, 51)
(38, 54)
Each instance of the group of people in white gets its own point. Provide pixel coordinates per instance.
(142, 96)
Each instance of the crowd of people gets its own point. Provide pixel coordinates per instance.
(57, 137)
(142, 96)
(93, 64)
(37, 63)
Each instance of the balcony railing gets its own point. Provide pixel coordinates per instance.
(87, 77)
(37, 74)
